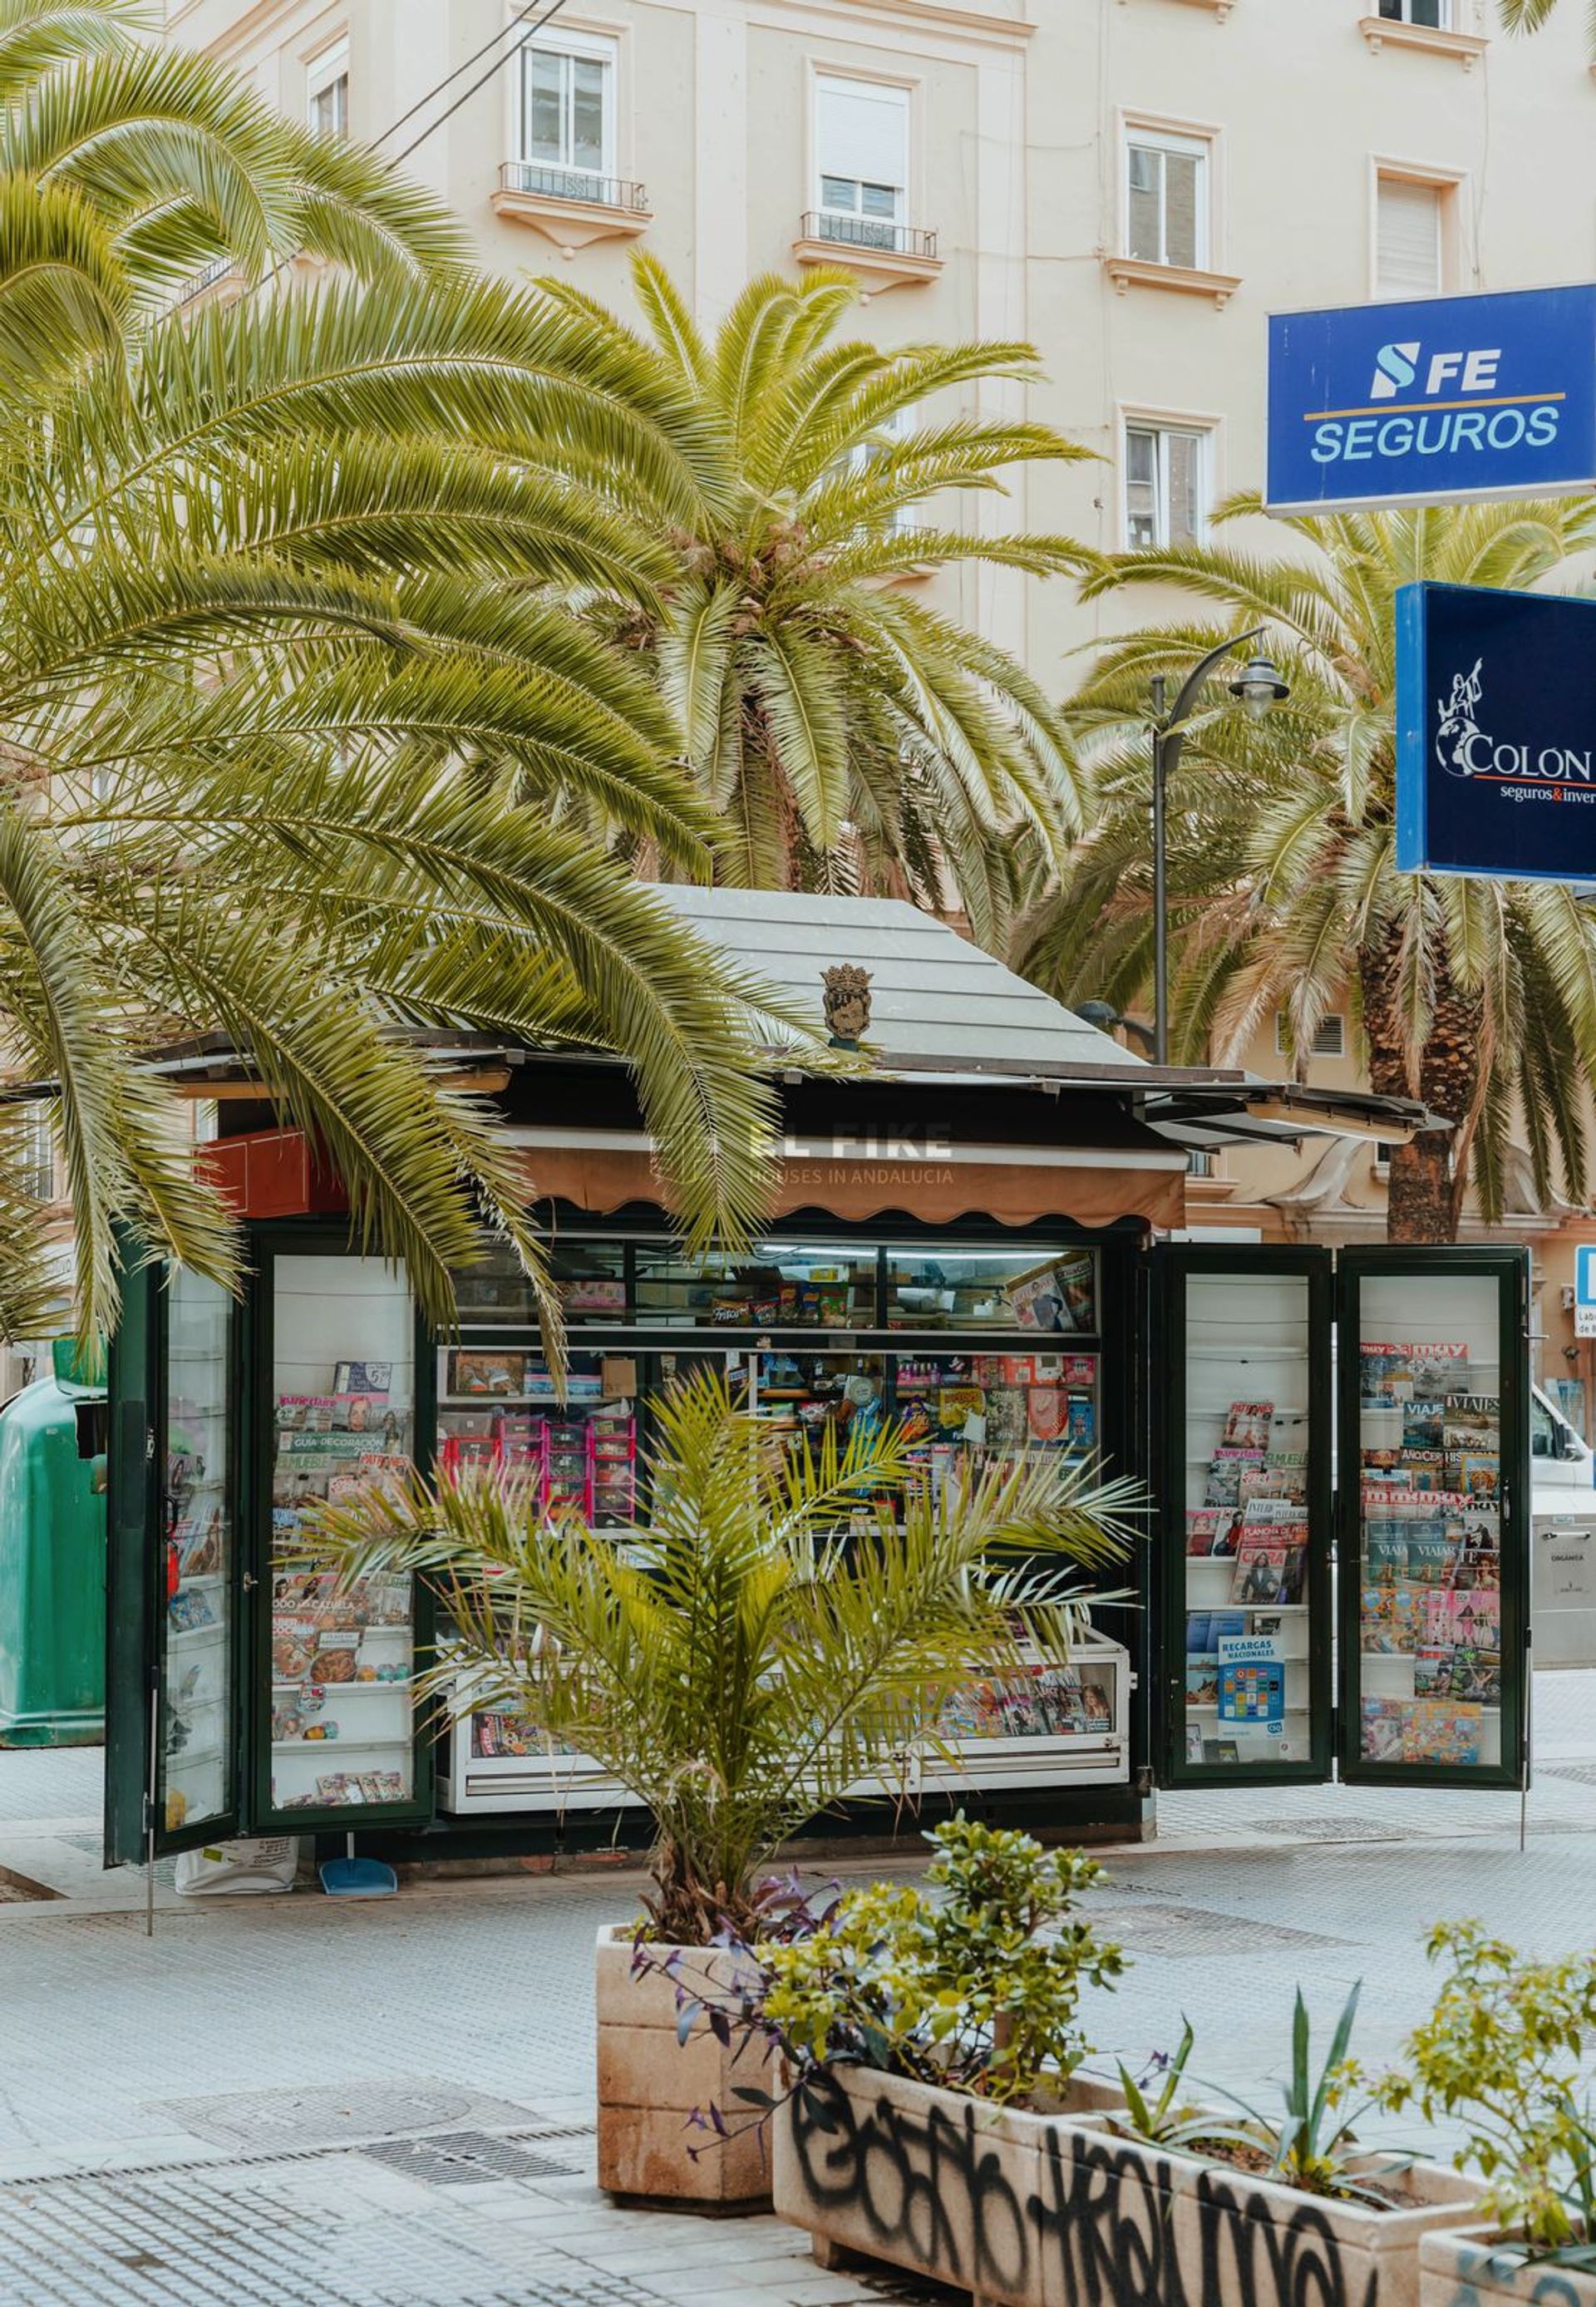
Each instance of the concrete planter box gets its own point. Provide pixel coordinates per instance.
(1458, 2270)
(649, 2085)
(1052, 2210)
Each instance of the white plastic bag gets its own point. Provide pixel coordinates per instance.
(234, 1869)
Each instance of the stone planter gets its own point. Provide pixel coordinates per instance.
(1458, 2269)
(649, 2085)
(1052, 2210)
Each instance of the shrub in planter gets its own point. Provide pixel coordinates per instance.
(784, 1626)
(1007, 2171)
(1503, 2050)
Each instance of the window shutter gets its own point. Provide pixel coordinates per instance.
(1407, 239)
(862, 131)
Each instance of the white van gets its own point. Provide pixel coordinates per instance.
(1562, 1564)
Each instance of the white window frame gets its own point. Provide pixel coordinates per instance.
(1332, 1017)
(1451, 215)
(324, 70)
(903, 93)
(906, 520)
(1446, 12)
(1162, 422)
(589, 48)
(1189, 142)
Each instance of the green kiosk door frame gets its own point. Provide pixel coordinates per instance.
(1242, 1581)
(1350, 1424)
(174, 1582)
(246, 1693)
(1434, 1384)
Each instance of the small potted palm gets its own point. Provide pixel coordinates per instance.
(785, 1627)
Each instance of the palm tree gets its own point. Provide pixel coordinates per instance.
(1530, 16)
(844, 730)
(738, 1663)
(1477, 995)
(256, 645)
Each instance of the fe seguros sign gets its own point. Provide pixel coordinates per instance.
(1434, 402)
(1496, 734)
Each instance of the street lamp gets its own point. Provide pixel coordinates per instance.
(1257, 687)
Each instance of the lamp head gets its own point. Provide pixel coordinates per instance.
(1258, 687)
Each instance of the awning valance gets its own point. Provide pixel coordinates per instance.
(601, 1171)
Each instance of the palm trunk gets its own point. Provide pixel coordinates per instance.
(1428, 1177)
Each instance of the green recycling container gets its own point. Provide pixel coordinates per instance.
(53, 1561)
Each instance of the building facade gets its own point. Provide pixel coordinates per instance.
(1133, 186)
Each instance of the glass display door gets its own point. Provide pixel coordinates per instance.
(1244, 1548)
(1433, 1536)
(341, 1362)
(172, 1746)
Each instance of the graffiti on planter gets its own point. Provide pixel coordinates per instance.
(938, 2192)
(1549, 2290)
(932, 2190)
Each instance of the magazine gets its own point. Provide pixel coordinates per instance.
(1201, 1684)
(1212, 1530)
(1266, 1569)
(1383, 1723)
(1472, 1421)
(1437, 1732)
(1391, 1620)
(1225, 1470)
(1207, 1629)
(1247, 1425)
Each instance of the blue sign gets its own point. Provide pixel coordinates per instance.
(1584, 1275)
(1434, 402)
(1496, 734)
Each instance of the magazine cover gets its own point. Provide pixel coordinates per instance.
(1438, 1368)
(1225, 1470)
(1264, 1569)
(482, 1371)
(1247, 1425)
(1472, 1421)
(1202, 1682)
(1212, 1530)
(1463, 1619)
(1194, 1742)
(1439, 1730)
(1391, 1620)
(1383, 1728)
(1422, 1424)
(1477, 1475)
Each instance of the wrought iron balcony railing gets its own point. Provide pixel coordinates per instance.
(572, 184)
(870, 232)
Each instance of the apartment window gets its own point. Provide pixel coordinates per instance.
(38, 1154)
(327, 93)
(865, 453)
(1166, 198)
(1165, 484)
(568, 114)
(1435, 14)
(862, 162)
(1329, 1040)
(1409, 216)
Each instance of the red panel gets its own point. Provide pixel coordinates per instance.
(272, 1173)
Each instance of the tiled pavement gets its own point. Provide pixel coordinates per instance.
(288, 2100)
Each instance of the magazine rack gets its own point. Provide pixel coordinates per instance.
(1352, 1424)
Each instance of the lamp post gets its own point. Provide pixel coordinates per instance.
(1257, 688)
